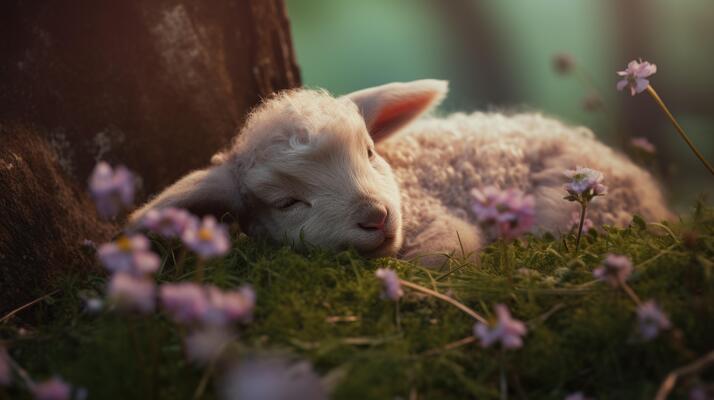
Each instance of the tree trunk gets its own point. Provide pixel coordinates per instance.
(47, 224)
(156, 85)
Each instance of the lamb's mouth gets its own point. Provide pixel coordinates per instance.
(386, 248)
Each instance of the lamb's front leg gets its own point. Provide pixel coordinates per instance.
(431, 242)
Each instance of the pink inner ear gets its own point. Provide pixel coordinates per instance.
(397, 113)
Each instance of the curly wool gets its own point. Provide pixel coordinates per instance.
(438, 161)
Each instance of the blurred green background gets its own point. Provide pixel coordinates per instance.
(498, 55)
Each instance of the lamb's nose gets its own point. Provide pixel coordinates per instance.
(374, 218)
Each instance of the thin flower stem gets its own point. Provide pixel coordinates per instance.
(447, 299)
(203, 383)
(505, 260)
(669, 382)
(679, 129)
(446, 274)
(451, 346)
(583, 207)
(178, 266)
(200, 264)
(503, 380)
(155, 361)
(542, 318)
(21, 372)
(631, 293)
(134, 339)
(33, 302)
(397, 316)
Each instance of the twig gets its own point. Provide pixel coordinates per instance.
(342, 318)
(656, 256)
(542, 318)
(666, 229)
(459, 268)
(21, 371)
(453, 345)
(413, 394)
(33, 302)
(201, 388)
(671, 379)
(588, 283)
(630, 293)
(446, 298)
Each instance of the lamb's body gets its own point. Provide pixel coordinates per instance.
(304, 169)
(438, 161)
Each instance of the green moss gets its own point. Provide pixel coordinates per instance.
(582, 335)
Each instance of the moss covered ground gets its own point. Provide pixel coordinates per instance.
(326, 308)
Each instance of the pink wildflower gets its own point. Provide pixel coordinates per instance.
(190, 303)
(229, 306)
(507, 330)
(129, 254)
(271, 378)
(168, 222)
(643, 145)
(185, 302)
(205, 345)
(635, 76)
(207, 239)
(391, 287)
(111, 188)
(615, 269)
(563, 63)
(52, 389)
(584, 184)
(132, 293)
(651, 320)
(509, 212)
(576, 396)
(701, 392)
(5, 371)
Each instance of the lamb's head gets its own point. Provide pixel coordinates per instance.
(304, 169)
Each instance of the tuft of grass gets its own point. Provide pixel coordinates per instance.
(325, 307)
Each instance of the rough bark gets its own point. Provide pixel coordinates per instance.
(45, 220)
(156, 85)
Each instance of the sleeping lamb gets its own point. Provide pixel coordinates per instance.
(363, 171)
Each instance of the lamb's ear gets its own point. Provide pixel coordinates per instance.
(389, 107)
(208, 191)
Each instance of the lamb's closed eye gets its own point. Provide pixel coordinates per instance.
(287, 203)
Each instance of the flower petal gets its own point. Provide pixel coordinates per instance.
(641, 84)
